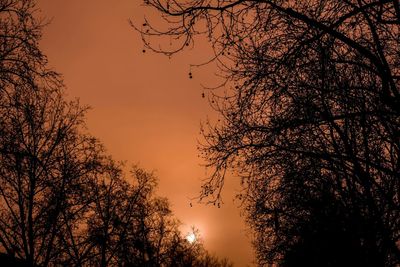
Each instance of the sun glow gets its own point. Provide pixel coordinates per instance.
(191, 238)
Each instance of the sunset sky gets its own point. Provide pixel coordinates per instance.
(145, 109)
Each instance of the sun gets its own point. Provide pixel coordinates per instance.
(191, 238)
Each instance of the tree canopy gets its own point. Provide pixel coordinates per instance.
(310, 121)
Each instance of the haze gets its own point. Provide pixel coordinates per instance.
(146, 110)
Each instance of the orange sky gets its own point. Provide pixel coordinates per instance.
(145, 108)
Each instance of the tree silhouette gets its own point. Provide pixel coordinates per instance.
(44, 166)
(127, 225)
(21, 60)
(43, 159)
(310, 120)
(63, 200)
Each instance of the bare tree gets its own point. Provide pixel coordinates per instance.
(310, 109)
(119, 227)
(46, 160)
(21, 60)
(126, 224)
(45, 163)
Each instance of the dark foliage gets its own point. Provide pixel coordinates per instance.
(8, 260)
